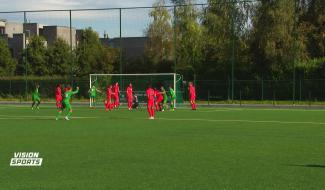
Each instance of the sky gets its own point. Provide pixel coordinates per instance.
(134, 22)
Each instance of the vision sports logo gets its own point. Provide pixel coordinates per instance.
(26, 159)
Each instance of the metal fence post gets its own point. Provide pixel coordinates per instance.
(295, 35)
(300, 89)
(71, 48)
(121, 53)
(262, 89)
(10, 86)
(240, 97)
(228, 89)
(174, 39)
(273, 97)
(25, 41)
(208, 97)
(232, 49)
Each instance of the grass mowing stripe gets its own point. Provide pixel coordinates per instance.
(247, 121)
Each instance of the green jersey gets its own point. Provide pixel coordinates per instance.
(163, 92)
(36, 95)
(172, 93)
(92, 91)
(67, 96)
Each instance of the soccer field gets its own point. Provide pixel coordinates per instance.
(211, 148)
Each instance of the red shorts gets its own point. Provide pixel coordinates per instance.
(151, 103)
(58, 100)
(58, 104)
(192, 98)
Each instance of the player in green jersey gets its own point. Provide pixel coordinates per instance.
(36, 98)
(66, 102)
(172, 98)
(93, 93)
(164, 93)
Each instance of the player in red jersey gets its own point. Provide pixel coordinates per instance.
(159, 99)
(58, 96)
(151, 101)
(192, 94)
(108, 101)
(116, 95)
(129, 96)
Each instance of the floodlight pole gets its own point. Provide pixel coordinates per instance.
(295, 35)
(71, 48)
(25, 59)
(121, 68)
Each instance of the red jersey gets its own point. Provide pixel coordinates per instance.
(129, 92)
(192, 91)
(158, 95)
(58, 94)
(109, 93)
(150, 94)
(116, 90)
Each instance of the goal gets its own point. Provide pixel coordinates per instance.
(139, 83)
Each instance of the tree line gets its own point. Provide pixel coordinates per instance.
(263, 39)
(90, 56)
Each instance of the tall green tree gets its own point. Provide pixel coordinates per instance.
(36, 56)
(314, 18)
(92, 56)
(188, 38)
(7, 63)
(159, 47)
(311, 35)
(226, 29)
(274, 45)
(60, 58)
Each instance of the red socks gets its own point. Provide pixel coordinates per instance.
(151, 111)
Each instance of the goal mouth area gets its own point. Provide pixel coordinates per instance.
(139, 81)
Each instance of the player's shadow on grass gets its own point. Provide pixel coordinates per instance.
(308, 165)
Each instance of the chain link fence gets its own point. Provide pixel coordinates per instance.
(126, 29)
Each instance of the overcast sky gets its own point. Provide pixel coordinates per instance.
(14, 5)
(134, 22)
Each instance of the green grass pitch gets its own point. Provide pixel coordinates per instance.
(211, 148)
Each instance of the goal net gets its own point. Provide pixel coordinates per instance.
(139, 82)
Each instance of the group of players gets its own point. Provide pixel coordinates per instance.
(156, 98)
(112, 100)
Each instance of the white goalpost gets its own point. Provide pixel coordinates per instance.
(139, 83)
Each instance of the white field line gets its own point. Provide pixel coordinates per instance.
(245, 121)
(47, 116)
(11, 117)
